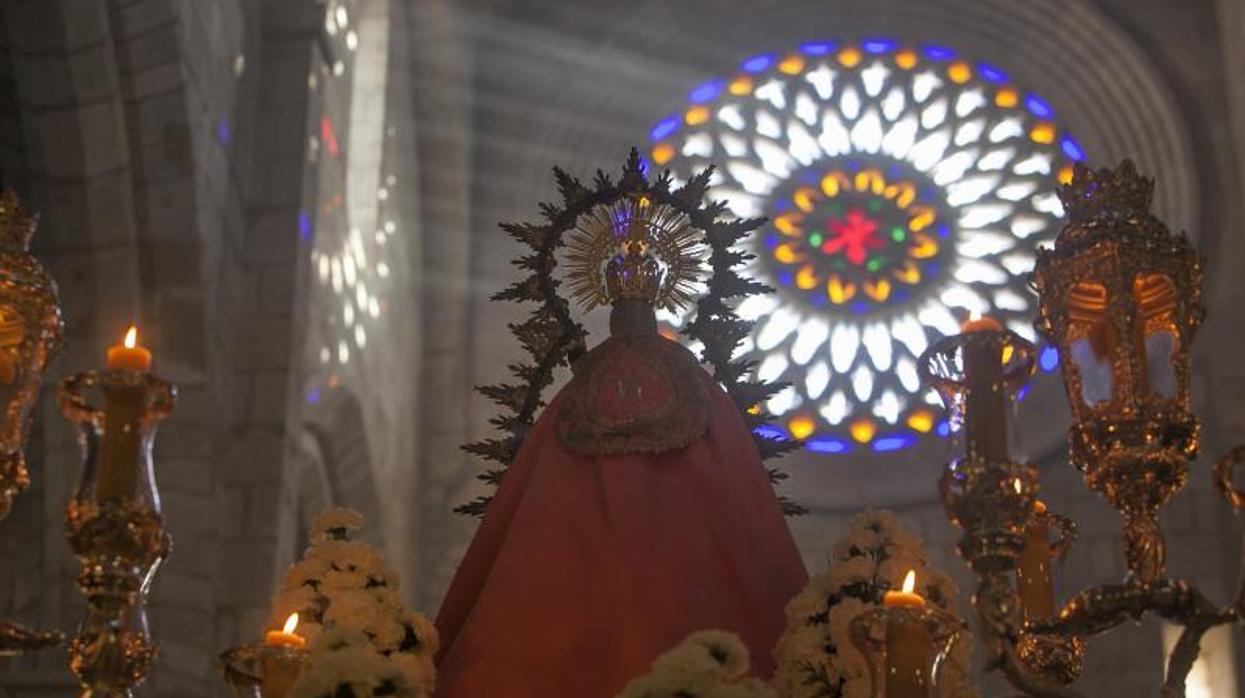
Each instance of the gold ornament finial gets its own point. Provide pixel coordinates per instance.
(1121, 192)
(16, 225)
(634, 249)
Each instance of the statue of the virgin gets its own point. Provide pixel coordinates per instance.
(637, 509)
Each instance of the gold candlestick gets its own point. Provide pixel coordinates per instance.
(904, 643)
(115, 526)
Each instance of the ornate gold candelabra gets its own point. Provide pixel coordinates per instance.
(1120, 299)
(30, 336)
(114, 524)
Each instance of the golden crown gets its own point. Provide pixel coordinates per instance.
(634, 249)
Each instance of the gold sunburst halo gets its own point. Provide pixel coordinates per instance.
(665, 234)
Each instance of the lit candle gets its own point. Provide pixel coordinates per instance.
(909, 648)
(1037, 596)
(121, 444)
(286, 637)
(129, 356)
(281, 670)
(985, 420)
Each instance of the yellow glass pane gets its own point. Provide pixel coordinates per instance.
(792, 65)
(1043, 133)
(921, 421)
(801, 427)
(1007, 98)
(959, 72)
(697, 115)
(850, 57)
(863, 430)
(662, 152)
(906, 59)
(741, 85)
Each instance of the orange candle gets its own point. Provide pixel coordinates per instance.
(286, 637)
(281, 670)
(121, 444)
(985, 413)
(909, 647)
(129, 356)
(1033, 574)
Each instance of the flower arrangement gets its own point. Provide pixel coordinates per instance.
(363, 641)
(708, 664)
(816, 657)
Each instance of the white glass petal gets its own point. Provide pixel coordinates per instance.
(731, 116)
(767, 124)
(772, 368)
(844, 343)
(323, 264)
(969, 132)
(953, 168)
(907, 330)
(878, 344)
(755, 307)
(1018, 263)
(996, 159)
(862, 383)
(1007, 128)
(772, 92)
(753, 179)
(740, 204)
(834, 139)
(937, 316)
(933, 115)
(849, 103)
(816, 380)
(1007, 299)
(822, 80)
(698, 145)
(970, 189)
(781, 323)
(1022, 328)
(932, 398)
(735, 146)
(924, 84)
(961, 296)
(1015, 191)
(899, 139)
(1037, 163)
(984, 243)
(774, 158)
(809, 338)
(969, 102)
(893, 104)
(866, 135)
(836, 408)
(874, 78)
(1048, 202)
(905, 369)
(979, 271)
(887, 407)
(979, 215)
(1026, 224)
(806, 109)
(783, 401)
(802, 146)
(349, 271)
(929, 150)
(336, 267)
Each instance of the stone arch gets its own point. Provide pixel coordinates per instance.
(336, 431)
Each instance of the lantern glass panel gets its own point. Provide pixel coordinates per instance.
(1091, 341)
(1155, 297)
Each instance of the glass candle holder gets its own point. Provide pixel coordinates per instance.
(924, 636)
(114, 524)
(262, 670)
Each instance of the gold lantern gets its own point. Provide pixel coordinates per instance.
(1121, 299)
(30, 336)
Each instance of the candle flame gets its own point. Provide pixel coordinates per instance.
(290, 624)
(1018, 486)
(909, 582)
(131, 337)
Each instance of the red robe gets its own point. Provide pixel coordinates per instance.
(586, 568)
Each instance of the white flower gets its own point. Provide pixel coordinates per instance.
(337, 523)
(856, 570)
